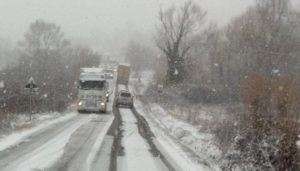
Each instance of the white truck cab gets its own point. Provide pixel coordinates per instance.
(92, 91)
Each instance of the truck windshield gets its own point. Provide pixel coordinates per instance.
(93, 85)
(125, 94)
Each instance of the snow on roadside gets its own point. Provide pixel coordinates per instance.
(173, 135)
(202, 143)
(167, 129)
(42, 121)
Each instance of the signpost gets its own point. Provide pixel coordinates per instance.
(32, 88)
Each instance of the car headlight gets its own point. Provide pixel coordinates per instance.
(107, 94)
(102, 104)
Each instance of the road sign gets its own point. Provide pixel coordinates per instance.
(31, 84)
(33, 89)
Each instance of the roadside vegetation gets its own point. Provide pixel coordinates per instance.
(249, 67)
(47, 56)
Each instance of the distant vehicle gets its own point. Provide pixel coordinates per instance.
(109, 73)
(93, 92)
(123, 74)
(124, 98)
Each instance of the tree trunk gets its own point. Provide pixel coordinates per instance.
(175, 70)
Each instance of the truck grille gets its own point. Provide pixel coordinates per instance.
(91, 103)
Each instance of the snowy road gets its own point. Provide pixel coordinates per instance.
(137, 151)
(74, 143)
(59, 147)
(86, 142)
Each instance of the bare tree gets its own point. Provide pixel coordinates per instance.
(176, 25)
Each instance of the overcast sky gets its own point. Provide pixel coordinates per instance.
(106, 25)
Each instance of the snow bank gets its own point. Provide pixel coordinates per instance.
(202, 143)
(171, 134)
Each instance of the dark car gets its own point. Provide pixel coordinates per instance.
(124, 98)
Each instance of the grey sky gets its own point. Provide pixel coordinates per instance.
(104, 24)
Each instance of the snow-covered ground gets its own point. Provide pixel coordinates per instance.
(183, 143)
(137, 151)
(97, 145)
(45, 155)
(37, 123)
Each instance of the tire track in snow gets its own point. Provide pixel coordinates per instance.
(137, 150)
(84, 142)
(46, 153)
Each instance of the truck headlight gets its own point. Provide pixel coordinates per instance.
(80, 103)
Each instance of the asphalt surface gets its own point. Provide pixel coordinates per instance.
(30, 154)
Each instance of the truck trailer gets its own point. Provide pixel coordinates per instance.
(123, 74)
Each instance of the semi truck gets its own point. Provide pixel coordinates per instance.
(93, 91)
(123, 74)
